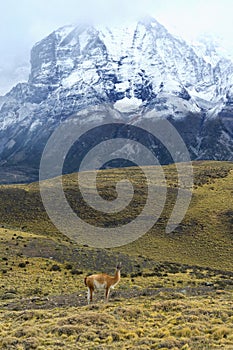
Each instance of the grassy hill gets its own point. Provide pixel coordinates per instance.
(203, 238)
(176, 289)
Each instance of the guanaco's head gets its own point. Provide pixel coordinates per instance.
(119, 266)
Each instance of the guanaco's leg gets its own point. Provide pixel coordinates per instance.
(89, 294)
(107, 291)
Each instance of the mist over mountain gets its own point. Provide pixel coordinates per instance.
(128, 70)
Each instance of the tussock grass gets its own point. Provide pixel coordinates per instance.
(132, 324)
(168, 306)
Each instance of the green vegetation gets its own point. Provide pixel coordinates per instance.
(176, 290)
(203, 238)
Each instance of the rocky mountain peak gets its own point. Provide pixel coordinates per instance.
(132, 68)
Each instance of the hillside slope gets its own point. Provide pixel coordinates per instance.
(203, 238)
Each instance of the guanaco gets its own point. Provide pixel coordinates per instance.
(102, 281)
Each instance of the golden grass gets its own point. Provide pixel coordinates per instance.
(166, 321)
(161, 306)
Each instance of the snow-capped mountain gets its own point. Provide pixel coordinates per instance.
(132, 69)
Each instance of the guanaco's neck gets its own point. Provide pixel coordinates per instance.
(117, 275)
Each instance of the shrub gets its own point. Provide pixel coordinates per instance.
(22, 265)
(55, 268)
(76, 272)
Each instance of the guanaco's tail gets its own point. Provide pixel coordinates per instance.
(85, 281)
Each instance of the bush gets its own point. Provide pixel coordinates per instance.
(22, 265)
(55, 268)
(76, 272)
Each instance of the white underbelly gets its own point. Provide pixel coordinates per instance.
(99, 285)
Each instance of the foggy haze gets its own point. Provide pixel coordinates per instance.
(25, 22)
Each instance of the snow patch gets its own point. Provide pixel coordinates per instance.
(35, 124)
(88, 76)
(68, 63)
(64, 31)
(10, 144)
(84, 37)
(127, 105)
(204, 93)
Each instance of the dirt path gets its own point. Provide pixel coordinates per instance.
(79, 299)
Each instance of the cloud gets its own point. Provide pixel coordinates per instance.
(24, 22)
(32, 20)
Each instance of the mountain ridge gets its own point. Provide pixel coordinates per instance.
(132, 69)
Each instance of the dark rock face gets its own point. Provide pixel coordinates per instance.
(132, 70)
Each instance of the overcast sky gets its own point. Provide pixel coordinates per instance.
(23, 22)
